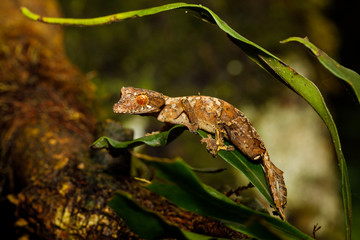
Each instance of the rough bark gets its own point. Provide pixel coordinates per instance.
(56, 189)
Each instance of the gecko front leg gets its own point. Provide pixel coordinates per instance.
(217, 144)
(193, 124)
(179, 111)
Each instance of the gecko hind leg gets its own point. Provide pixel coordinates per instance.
(217, 144)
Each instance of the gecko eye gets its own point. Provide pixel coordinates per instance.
(142, 100)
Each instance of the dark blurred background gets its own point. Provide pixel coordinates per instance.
(177, 54)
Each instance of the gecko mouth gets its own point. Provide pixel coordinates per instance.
(120, 108)
(117, 108)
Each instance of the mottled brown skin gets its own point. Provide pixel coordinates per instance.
(214, 116)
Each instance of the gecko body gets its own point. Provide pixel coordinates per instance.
(214, 116)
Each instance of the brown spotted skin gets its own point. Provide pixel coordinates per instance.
(214, 116)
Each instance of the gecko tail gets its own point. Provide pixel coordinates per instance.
(277, 185)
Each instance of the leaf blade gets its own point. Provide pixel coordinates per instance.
(153, 140)
(346, 74)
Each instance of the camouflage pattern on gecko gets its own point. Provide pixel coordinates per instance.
(214, 116)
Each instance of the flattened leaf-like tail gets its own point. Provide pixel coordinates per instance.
(276, 182)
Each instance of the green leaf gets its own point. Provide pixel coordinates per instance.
(254, 172)
(153, 140)
(178, 183)
(346, 74)
(293, 80)
(145, 223)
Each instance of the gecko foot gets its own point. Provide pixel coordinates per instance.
(213, 148)
(193, 127)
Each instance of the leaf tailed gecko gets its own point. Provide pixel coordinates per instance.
(214, 116)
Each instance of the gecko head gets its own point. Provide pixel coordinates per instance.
(139, 101)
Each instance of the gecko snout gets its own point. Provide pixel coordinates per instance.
(119, 107)
(116, 108)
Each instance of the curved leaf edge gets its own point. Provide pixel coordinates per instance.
(348, 75)
(153, 140)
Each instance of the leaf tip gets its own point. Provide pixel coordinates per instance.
(26, 12)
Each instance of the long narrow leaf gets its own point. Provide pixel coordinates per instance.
(346, 74)
(266, 60)
(153, 140)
